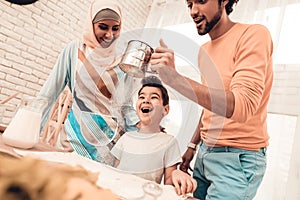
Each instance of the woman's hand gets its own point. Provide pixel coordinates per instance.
(186, 160)
(183, 182)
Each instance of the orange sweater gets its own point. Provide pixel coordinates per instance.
(242, 60)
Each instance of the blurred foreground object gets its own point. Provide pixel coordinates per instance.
(34, 179)
(22, 2)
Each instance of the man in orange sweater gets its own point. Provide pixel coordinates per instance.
(237, 75)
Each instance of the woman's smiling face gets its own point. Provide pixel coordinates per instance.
(106, 31)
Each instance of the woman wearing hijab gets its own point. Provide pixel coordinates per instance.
(90, 69)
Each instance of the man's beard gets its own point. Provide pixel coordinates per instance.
(209, 25)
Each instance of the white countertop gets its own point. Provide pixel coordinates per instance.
(123, 184)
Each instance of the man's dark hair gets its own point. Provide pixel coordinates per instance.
(229, 5)
(153, 81)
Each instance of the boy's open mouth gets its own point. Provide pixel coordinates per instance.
(146, 110)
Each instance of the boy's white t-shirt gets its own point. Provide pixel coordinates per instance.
(147, 155)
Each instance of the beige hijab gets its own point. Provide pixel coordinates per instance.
(97, 55)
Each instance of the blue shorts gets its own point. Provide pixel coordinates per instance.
(226, 173)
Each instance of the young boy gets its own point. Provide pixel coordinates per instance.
(149, 152)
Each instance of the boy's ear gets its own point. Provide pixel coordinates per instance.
(166, 109)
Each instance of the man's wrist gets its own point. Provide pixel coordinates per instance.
(193, 146)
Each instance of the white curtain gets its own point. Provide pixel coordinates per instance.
(280, 16)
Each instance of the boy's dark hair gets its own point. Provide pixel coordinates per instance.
(154, 81)
(229, 5)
